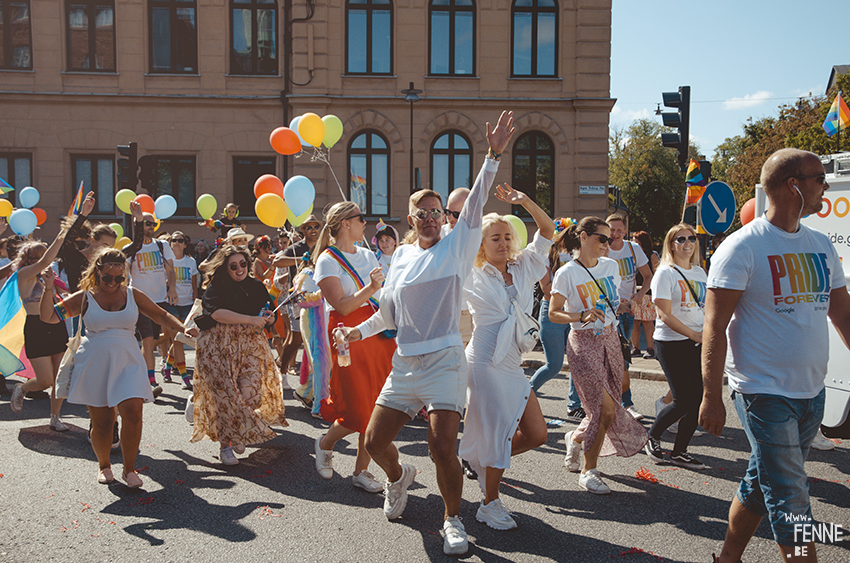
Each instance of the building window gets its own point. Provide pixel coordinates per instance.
(369, 166)
(175, 176)
(451, 163)
(253, 49)
(534, 35)
(96, 172)
(174, 36)
(534, 171)
(91, 35)
(16, 30)
(246, 170)
(369, 29)
(16, 169)
(452, 39)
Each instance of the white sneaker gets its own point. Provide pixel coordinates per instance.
(238, 448)
(56, 424)
(228, 457)
(573, 460)
(822, 443)
(17, 400)
(495, 515)
(592, 483)
(396, 495)
(632, 411)
(367, 482)
(190, 410)
(456, 542)
(324, 460)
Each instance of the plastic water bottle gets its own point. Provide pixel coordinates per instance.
(599, 324)
(343, 353)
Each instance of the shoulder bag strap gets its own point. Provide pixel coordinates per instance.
(597, 285)
(687, 283)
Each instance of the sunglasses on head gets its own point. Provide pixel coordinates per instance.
(150, 223)
(602, 238)
(238, 265)
(682, 240)
(109, 278)
(455, 214)
(423, 214)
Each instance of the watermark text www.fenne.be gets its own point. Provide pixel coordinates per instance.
(807, 531)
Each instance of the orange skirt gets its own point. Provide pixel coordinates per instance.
(354, 389)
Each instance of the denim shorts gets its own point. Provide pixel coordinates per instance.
(179, 311)
(780, 431)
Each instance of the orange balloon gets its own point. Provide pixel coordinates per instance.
(268, 184)
(147, 203)
(748, 211)
(285, 141)
(40, 215)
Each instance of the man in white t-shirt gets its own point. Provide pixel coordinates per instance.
(631, 259)
(151, 271)
(422, 299)
(771, 287)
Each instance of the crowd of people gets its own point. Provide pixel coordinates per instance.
(431, 324)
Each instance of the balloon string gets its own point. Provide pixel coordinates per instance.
(319, 154)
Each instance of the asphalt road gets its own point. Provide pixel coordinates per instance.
(274, 506)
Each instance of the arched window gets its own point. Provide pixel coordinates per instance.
(452, 38)
(369, 169)
(451, 163)
(534, 171)
(534, 38)
(253, 37)
(369, 37)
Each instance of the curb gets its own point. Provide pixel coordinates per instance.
(634, 372)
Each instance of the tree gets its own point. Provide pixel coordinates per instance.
(650, 182)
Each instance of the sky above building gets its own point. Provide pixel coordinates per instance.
(741, 59)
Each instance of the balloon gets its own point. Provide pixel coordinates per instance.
(285, 141)
(146, 201)
(297, 221)
(268, 184)
(6, 208)
(165, 206)
(123, 199)
(119, 230)
(312, 129)
(333, 130)
(207, 206)
(299, 194)
(156, 227)
(122, 242)
(28, 197)
(271, 210)
(521, 229)
(293, 125)
(40, 215)
(748, 211)
(23, 222)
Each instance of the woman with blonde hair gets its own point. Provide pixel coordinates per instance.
(109, 369)
(503, 418)
(350, 279)
(679, 290)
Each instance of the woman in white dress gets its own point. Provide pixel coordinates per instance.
(503, 418)
(109, 369)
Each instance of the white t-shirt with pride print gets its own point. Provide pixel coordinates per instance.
(148, 270)
(581, 292)
(628, 268)
(184, 269)
(668, 284)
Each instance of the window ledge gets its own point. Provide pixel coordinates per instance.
(90, 72)
(453, 76)
(170, 74)
(346, 75)
(252, 75)
(29, 70)
(526, 78)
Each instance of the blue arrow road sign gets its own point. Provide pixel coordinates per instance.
(717, 208)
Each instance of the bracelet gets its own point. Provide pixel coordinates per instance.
(493, 154)
(581, 320)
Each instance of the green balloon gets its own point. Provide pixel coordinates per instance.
(123, 199)
(207, 206)
(333, 130)
(119, 230)
(521, 229)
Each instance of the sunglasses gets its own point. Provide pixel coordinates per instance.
(455, 214)
(310, 228)
(238, 265)
(358, 216)
(682, 240)
(150, 223)
(109, 279)
(180, 240)
(602, 238)
(423, 214)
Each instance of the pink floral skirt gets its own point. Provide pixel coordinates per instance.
(644, 310)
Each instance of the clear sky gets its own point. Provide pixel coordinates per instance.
(741, 58)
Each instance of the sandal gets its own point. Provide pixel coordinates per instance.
(132, 479)
(104, 476)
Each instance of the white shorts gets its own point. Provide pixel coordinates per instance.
(436, 380)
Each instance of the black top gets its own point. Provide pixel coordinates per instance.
(297, 250)
(247, 297)
(227, 224)
(71, 260)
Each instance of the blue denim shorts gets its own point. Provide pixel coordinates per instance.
(780, 431)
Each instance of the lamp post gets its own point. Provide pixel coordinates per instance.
(411, 95)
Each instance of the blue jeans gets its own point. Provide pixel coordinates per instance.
(627, 323)
(553, 336)
(780, 431)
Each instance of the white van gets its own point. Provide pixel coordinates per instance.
(834, 222)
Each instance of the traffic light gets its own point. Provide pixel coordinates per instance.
(679, 120)
(128, 167)
(147, 175)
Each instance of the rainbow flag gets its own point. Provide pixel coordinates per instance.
(12, 319)
(358, 180)
(838, 117)
(5, 187)
(77, 206)
(695, 182)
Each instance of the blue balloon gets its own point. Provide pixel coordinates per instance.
(294, 126)
(23, 221)
(299, 194)
(164, 207)
(28, 197)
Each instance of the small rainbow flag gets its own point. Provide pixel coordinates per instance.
(358, 180)
(12, 319)
(77, 206)
(838, 117)
(5, 187)
(695, 182)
